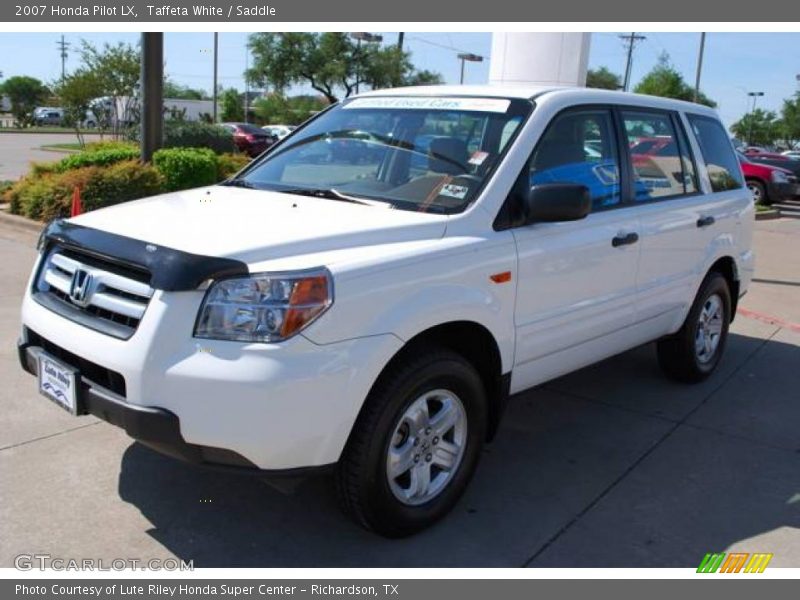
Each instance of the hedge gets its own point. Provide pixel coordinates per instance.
(97, 158)
(50, 195)
(96, 154)
(46, 192)
(185, 168)
(230, 164)
(110, 145)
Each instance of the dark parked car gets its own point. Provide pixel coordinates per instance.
(250, 139)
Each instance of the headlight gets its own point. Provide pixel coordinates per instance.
(779, 177)
(264, 307)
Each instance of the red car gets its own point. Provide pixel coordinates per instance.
(249, 139)
(775, 159)
(768, 183)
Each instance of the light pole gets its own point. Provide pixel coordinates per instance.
(699, 65)
(215, 92)
(152, 86)
(362, 36)
(755, 96)
(467, 56)
(246, 82)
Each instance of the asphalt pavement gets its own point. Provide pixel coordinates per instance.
(18, 150)
(612, 466)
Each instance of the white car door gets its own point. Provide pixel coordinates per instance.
(576, 281)
(678, 221)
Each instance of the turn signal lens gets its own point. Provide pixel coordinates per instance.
(309, 300)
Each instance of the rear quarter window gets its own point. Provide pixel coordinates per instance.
(721, 162)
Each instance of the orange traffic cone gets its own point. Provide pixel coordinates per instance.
(77, 207)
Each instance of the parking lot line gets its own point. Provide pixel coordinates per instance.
(765, 318)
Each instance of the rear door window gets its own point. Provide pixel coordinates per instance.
(723, 167)
(661, 165)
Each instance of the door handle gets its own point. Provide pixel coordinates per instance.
(625, 239)
(705, 221)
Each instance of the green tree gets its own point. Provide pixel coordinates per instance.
(182, 92)
(277, 109)
(77, 93)
(423, 77)
(603, 79)
(24, 93)
(232, 105)
(329, 62)
(116, 68)
(664, 80)
(790, 120)
(759, 127)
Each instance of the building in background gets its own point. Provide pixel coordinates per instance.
(539, 58)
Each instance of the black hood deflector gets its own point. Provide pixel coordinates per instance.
(169, 269)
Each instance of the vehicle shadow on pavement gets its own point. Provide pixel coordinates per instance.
(579, 475)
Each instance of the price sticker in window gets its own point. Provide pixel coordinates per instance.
(459, 192)
(478, 158)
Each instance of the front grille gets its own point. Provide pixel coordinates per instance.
(111, 380)
(95, 292)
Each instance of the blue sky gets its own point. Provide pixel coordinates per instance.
(734, 62)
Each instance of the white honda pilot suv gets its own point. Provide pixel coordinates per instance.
(365, 296)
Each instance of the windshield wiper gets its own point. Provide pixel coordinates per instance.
(333, 194)
(240, 183)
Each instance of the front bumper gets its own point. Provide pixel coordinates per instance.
(778, 192)
(272, 407)
(155, 427)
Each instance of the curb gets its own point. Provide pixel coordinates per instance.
(767, 215)
(50, 148)
(15, 131)
(19, 222)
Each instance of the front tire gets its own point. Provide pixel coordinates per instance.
(415, 444)
(759, 192)
(692, 354)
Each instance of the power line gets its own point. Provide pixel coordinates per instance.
(63, 46)
(439, 45)
(630, 40)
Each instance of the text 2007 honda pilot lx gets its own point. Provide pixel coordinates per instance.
(367, 294)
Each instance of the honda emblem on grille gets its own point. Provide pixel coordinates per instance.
(80, 290)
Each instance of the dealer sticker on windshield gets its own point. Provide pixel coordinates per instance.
(496, 105)
(454, 191)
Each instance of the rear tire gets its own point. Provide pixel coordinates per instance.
(692, 354)
(416, 443)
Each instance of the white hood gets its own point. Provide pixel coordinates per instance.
(254, 225)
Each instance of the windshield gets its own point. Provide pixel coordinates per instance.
(430, 154)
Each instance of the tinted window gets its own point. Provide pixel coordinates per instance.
(661, 166)
(580, 147)
(415, 153)
(723, 168)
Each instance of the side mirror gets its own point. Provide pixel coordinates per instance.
(553, 202)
